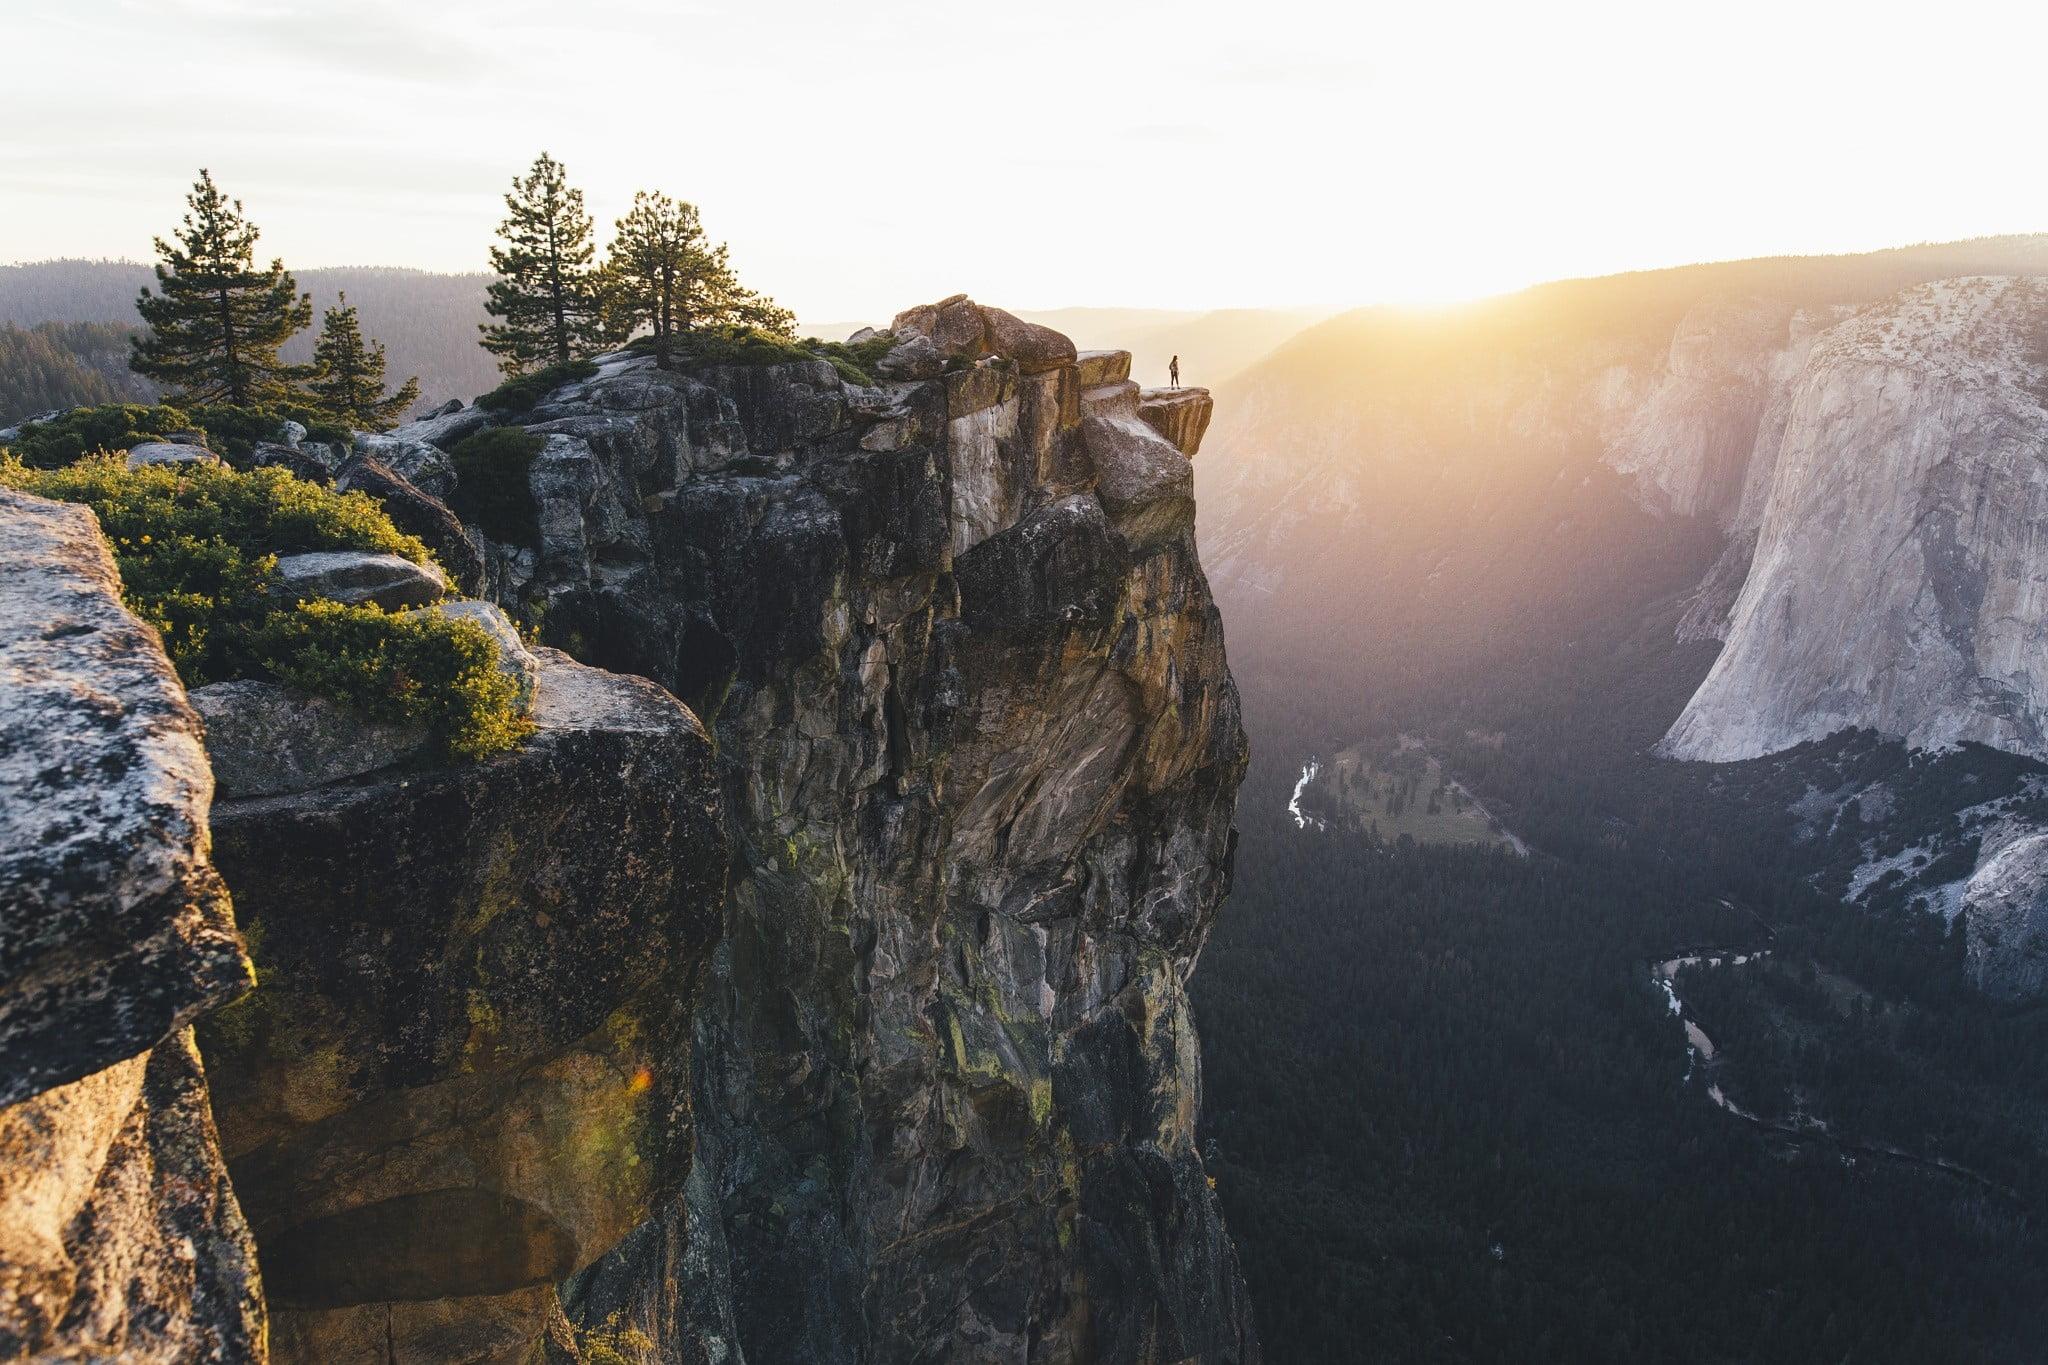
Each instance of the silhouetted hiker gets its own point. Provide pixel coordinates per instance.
(1173, 372)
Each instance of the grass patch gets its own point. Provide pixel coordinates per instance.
(522, 391)
(197, 547)
(491, 486)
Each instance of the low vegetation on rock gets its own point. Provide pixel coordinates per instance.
(197, 546)
(117, 426)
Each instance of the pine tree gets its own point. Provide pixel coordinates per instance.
(664, 274)
(349, 374)
(218, 320)
(547, 298)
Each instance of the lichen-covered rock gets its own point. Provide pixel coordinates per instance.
(119, 1237)
(265, 739)
(2005, 919)
(115, 930)
(421, 463)
(464, 1075)
(358, 577)
(980, 749)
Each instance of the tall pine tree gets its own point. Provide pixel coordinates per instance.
(348, 378)
(547, 298)
(217, 320)
(664, 274)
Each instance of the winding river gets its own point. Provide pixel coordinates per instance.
(1702, 1055)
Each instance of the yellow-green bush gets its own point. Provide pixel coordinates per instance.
(197, 546)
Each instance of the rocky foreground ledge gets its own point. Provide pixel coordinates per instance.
(528, 1074)
(119, 1236)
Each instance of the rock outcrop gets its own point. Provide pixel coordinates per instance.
(119, 1236)
(1896, 583)
(979, 750)
(464, 1074)
(2005, 921)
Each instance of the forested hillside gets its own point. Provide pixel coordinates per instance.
(66, 364)
(427, 321)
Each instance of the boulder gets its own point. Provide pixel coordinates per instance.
(1035, 348)
(864, 334)
(169, 452)
(1096, 368)
(444, 428)
(312, 461)
(420, 463)
(960, 328)
(291, 433)
(358, 577)
(914, 357)
(418, 513)
(1146, 485)
(2005, 920)
(515, 660)
(265, 739)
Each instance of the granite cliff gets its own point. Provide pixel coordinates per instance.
(979, 748)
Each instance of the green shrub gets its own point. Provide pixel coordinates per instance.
(855, 360)
(110, 426)
(491, 487)
(197, 547)
(406, 668)
(228, 430)
(233, 431)
(521, 392)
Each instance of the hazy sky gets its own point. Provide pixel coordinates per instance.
(863, 156)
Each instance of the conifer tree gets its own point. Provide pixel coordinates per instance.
(664, 274)
(348, 378)
(218, 319)
(547, 298)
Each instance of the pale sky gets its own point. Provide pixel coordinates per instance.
(1046, 153)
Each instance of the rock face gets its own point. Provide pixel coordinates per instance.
(265, 739)
(2005, 919)
(464, 1075)
(1897, 582)
(979, 750)
(1180, 415)
(119, 1237)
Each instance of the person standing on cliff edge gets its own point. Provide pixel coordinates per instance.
(1173, 372)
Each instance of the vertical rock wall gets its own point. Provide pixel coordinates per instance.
(979, 748)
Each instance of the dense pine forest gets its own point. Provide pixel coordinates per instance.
(1452, 1117)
